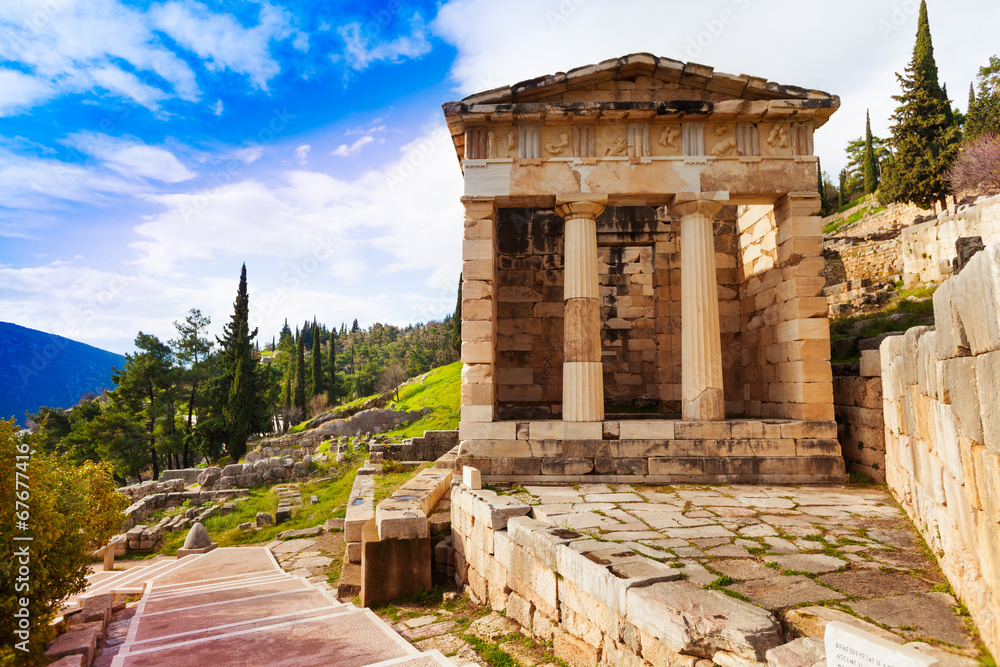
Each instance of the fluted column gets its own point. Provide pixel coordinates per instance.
(583, 380)
(701, 347)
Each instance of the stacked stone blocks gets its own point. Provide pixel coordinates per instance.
(597, 602)
(942, 433)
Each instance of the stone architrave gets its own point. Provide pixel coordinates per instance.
(583, 382)
(847, 646)
(702, 396)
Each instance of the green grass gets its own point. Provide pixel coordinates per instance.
(441, 391)
(852, 218)
(332, 495)
(868, 325)
(387, 483)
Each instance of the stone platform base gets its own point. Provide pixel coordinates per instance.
(192, 552)
(652, 451)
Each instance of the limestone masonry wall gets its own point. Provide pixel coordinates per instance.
(941, 387)
(929, 247)
(857, 404)
(597, 602)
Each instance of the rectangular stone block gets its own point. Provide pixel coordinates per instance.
(478, 269)
(477, 353)
(487, 431)
(642, 429)
(476, 249)
(583, 430)
(803, 329)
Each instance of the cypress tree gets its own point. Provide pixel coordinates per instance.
(923, 132)
(983, 114)
(318, 385)
(870, 166)
(299, 399)
(332, 366)
(242, 408)
(842, 189)
(456, 320)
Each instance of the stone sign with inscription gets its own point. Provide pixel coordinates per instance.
(850, 647)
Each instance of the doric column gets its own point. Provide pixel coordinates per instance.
(701, 348)
(583, 381)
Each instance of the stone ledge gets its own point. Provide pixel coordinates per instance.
(404, 514)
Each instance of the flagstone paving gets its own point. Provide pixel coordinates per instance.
(849, 550)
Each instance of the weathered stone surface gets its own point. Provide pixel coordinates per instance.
(813, 563)
(812, 622)
(702, 622)
(264, 519)
(197, 537)
(82, 641)
(785, 591)
(802, 652)
(871, 583)
(928, 613)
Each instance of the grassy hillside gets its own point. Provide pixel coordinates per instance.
(441, 391)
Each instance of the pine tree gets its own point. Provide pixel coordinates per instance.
(318, 384)
(299, 399)
(870, 165)
(923, 133)
(456, 320)
(243, 408)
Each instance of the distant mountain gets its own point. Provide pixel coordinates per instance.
(41, 369)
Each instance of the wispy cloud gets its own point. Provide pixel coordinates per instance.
(131, 157)
(33, 183)
(362, 49)
(221, 41)
(343, 150)
(218, 108)
(302, 154)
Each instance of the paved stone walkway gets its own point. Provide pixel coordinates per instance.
(811, 555)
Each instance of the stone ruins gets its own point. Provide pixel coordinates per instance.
(642, 234)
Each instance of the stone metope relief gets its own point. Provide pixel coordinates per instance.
(725, 147)
(778, 137)
(557, 147)
(491, 144)
(617, 149)
(668, 136)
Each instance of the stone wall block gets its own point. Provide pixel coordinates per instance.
(959, 382)
(594, 579)
(988, 387)
(702, 622)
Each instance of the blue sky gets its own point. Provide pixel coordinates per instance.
(148, 149)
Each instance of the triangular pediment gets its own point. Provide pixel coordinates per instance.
(642, 77)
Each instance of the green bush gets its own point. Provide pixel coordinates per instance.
(69, 512)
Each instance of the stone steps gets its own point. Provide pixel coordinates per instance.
(129, 582)
(256, 614)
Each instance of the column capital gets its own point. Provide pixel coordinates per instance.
(707, 203)
(580, 206)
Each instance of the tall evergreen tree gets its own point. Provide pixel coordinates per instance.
(983, 114)
(318, 384)
(191, 349)
(842, 189)
(456, 320)
(331, 385)
(924, 135)
(244, 409)
(870, 165)
(299, 399)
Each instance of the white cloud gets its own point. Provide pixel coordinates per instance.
(343, 150)
(21, 91)
(248, 154)
(312, 214)
(302, 154)
(218, 108)
(131, 157)
(71, 47)
(362, 49)
(859, 46)
(222, 41)
(32, 183)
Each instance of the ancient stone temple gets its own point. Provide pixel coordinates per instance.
(642, 278)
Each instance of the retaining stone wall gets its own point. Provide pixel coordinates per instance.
(599, 603)
(929, 247)
(430, 447)
(857, 405)
(941, 398)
